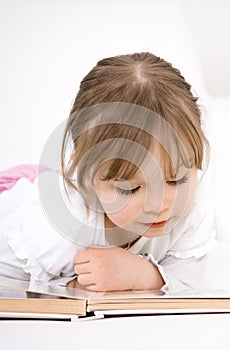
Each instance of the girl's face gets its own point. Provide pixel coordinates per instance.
(147, 204)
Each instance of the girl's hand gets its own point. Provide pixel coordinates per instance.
(113, 268)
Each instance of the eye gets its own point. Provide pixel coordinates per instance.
(181, 181)
(127, 192)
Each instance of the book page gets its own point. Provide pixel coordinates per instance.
(44, 289)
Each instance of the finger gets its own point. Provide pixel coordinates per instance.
(82, 268)
(96, 288)
(85, 279)
(93, 288)
(81, 257)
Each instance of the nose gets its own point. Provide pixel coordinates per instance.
(159, 199)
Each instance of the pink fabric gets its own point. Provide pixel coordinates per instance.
(9, 177)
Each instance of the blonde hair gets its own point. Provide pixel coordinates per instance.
(116, 108)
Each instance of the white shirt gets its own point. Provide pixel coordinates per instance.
(35, 249)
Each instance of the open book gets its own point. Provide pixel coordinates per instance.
(52, 301)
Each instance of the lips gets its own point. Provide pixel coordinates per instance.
(158, 224)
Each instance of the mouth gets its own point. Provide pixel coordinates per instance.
(157, 224)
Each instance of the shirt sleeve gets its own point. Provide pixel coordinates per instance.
(182, 275)
(41, 251)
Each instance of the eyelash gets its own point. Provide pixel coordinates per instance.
(181, 181)
(128, 192)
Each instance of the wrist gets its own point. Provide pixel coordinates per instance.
(149, 277)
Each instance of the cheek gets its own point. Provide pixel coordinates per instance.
(190, 197)
(120, 209)
(108, 199)
(127, 213)
(114, 204)
(192, 191)
(184, 198)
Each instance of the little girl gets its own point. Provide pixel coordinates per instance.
(129, 210)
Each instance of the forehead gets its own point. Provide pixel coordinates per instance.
(157, 163)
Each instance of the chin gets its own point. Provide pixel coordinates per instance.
(153, 233)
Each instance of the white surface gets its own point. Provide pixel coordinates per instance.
(195, 332)
(220, 163)
(217, 270)
(210, 27)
